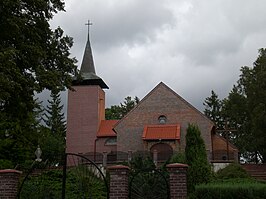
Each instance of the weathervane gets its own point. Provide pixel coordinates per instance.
(88, 24)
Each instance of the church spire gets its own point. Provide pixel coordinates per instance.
(87, 65)
(87, 69)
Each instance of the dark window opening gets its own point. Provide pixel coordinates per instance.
(162, 119)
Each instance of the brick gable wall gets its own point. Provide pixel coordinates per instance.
(160, 101)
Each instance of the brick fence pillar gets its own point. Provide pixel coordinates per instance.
(118, 181)
(9, 179)
(178, 180)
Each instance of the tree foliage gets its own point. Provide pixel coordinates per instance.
(54, 116)
(199, 170)
(236, 111)
(213, 107)
(32, 57)
(245, 110)
(179, 157)
(18, 142)
(53, 135)
(145, 180)
(139, 163)
(253, 82)
(52, 146)
(113, 113)
(117, 112)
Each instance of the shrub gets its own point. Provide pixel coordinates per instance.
(80, 183)
(233, 170)
(6, 164)
(142, 163)
(178, 158)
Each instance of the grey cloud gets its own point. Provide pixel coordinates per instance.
(128, 24)
(193, 46)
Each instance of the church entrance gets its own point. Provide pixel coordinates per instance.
(164, 151)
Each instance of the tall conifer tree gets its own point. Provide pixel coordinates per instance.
(53, 136)
(199, 170)
(213, 106)
(55, 119)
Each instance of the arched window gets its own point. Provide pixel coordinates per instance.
(162, 119)
(110, 141)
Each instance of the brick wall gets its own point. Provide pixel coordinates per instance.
(9, 183)
(84, 113)
(160, 101)
(220, 149)
(101, 145)
(178, 180)
(118, 182)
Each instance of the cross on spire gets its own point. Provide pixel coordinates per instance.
(88, 24)
(87, 69)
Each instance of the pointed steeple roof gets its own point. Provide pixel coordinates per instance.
(87, 70)
(87, 65)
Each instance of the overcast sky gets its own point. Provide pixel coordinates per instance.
(192, 46)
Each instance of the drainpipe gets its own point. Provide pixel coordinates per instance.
(94, 153)
(213, 131)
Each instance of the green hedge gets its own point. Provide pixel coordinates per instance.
(230, 190)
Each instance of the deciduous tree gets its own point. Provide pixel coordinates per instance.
(119, 111)
(245, 110)
(253, 84)
(32, 57)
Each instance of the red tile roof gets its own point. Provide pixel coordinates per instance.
(106, 128)
(164, 132)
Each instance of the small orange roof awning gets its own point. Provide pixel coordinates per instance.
(163, 132)
(106, 128)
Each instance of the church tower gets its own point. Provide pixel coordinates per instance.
(86, 106)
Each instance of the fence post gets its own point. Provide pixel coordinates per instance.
(129, 157)
(118, 181)
(155, 157)
(9, 179)
(104, 159)
(178, 180)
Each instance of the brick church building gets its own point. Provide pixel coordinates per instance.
(158, 123)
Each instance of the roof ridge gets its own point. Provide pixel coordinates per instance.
(189, 104)
(167, 87)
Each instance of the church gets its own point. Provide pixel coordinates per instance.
(156, 125)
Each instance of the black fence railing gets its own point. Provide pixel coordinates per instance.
(115, 157)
